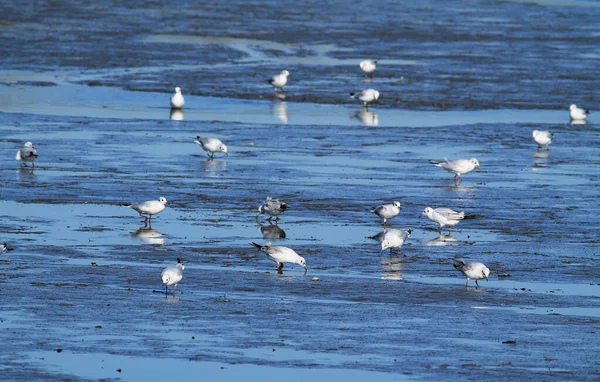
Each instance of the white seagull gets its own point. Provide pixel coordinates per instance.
(387, 211)
(211, 145)
(366, 96)
(177, 100)
(282, 255)
(149, 208)
(27, 154)
(172, 276)
(394, 238)
(542, 138)
(273, 207)
(457, 167)
(577, 113)
(443, 216)
(473, 271)
(279, 81)
(368, 67)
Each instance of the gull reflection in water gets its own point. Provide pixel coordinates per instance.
(280, 111)
(271, 231)
(578, 122)
(213, 167)
(441, 241)
(391, 268)
(148, 235)
(25, 173)
(176, 115)
(367, 117)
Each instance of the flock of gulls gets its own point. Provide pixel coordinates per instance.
(391, 239)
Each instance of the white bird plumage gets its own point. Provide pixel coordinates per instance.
(177, 100)
(368, 67)
(282, 255)
(577, 113)
(172, 276)
(148, 208)
(473, 271)
(27, 153)
(394, 239)
(366, 96)
(280, 80)
(542, 138)
(387, 211)
(443, 216)
(5, 247)
(457, 167)
(211, 145)
(272, 207)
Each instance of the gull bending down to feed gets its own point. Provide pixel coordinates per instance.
(457, 167)
(273, 207)
(172, 276)
(473, 271)
(211, 146)
(282, 255)
(394, 239)
(366, 96)
(542, 138)
(387, 211)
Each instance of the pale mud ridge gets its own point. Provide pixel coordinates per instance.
(434, 55)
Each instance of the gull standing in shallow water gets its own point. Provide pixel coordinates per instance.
(368, 67)
(394, 238)
(443, 216)
(387, 211)
(457, 167)
(282, 255)
(273, 207)
(577, 113)
(211, 146)
(280, 80)
(177, 100)
(366, 96)
(172, 276)
(473, 271)
(27, 154)
(149, 208)
(542, 138)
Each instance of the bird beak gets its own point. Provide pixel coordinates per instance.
(305, 270)
(226, 154)
(380, 252)
(478, 166)
(423, 214)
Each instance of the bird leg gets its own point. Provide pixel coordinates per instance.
(467, 283)
(174, 289)
(166, 290)
(280, 268)
(476, 283)
(269, 219)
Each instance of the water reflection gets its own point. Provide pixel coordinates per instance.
(271, 231)
(391, 268)
(280, 111)
(176, 115)
(25, 173)
(540, 158)
(367, 117)
(213, 166)
(442, 240)
(578, 122)
(148, 235)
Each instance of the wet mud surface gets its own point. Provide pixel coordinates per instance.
(81, 294)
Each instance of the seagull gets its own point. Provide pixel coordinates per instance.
(273, 207)
(578, 113)
(150, 207)
(367, 96)
(387, 211)
(394, 238)
(457, 167)
(27, 154)
(473, 271)
(282, 255)
(368, 67)
(211, 145)
(443, 216)
(177, 100)
(5, 247)
(172, 276)
(542, 138)
(279, 81)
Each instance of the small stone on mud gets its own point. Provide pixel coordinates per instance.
(59, 350)
(251, 143)
(509, 342)
(98, 326)
(503, 275)
(119, 370)
(94, 264)
(314, 279)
